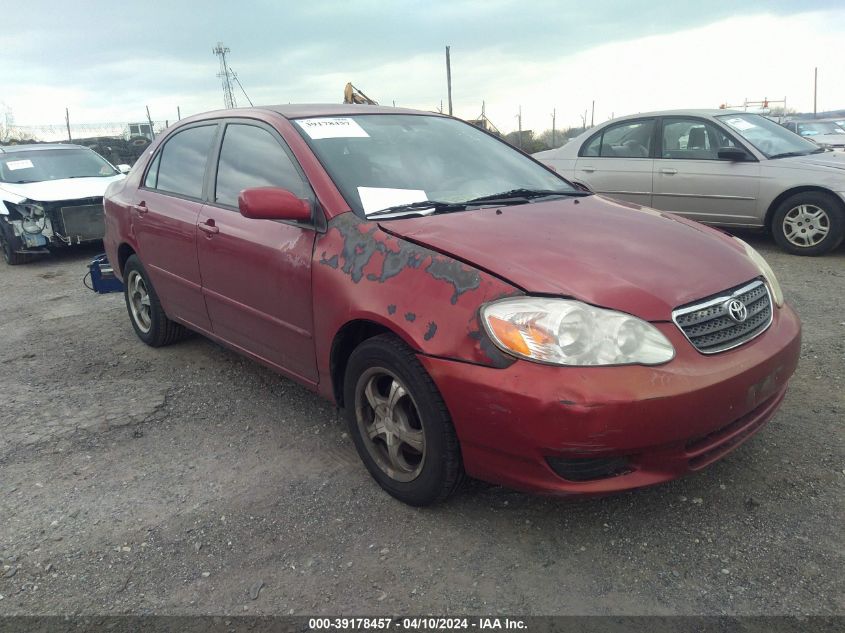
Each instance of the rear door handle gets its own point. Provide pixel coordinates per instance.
(669, 171)
(141, 207)
(208, 227)
(589, 170)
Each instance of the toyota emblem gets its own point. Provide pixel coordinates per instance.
(737, 310)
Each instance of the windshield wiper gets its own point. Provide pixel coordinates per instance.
(528, 194)
(438, 205)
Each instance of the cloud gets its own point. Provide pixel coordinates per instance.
(106, 61)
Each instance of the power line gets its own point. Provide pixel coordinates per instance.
(235, 77)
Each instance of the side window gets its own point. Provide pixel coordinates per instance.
(625, 140)
(693, 139)
(592, 146)
(181, 167)
(152, 173)
(628, 140)
(252, 157)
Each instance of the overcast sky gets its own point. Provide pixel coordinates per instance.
(107, 60)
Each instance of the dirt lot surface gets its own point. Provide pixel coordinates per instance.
(188, 480)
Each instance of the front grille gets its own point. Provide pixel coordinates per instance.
(710, 328)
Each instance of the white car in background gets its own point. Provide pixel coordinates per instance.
(51, 195)
(826, 133)
(731, 169)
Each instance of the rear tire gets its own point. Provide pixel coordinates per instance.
(809, 223)
(145, 312)
(400, 424)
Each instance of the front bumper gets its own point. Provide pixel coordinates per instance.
(662, 422)
(63, 223)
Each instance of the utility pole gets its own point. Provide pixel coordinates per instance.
(593, 114)
(150, 119)
(519, 116)
(228, 94)
(553, 128)
(67, 122)
(449, 79)
(178, 113)
(815, 89)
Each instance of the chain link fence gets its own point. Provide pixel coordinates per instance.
(117, 142)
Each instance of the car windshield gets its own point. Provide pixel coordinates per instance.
(772, 139)
(381, 161)
(53, 164)
(823, 127)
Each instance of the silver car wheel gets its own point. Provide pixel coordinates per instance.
(806, 225)
(139, 301)
(389, 424)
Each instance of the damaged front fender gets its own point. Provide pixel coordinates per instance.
(427, 298)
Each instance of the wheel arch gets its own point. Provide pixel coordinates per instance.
(124, 252)
(770, 212)
(348, 337)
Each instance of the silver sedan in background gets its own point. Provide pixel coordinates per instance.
(731, 169)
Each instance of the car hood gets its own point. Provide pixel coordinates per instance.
(607, 253)
(53, 190)
(830, 160)
(833, 139)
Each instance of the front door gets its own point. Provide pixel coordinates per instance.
(691, 180)
(256, 274)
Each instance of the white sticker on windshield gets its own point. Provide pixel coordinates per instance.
(19, 164)
(378, 198)
(337, 127)
(740, 124)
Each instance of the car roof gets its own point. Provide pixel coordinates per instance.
(28, 147)
(305, 110)
(298, 111)
(691, 112)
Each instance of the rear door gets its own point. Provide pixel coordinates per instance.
(256, 274)
(617, 161)
(691, 180)
(164, 220)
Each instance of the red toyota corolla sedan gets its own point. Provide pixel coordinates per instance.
(470, 310)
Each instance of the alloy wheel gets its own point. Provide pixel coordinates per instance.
(390, 425)
(139, 301)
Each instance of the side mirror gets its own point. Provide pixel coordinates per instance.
(732, 153)
(273, 203)
(123, 168)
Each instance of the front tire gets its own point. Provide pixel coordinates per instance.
(809, 223)
(9, 243)
(400, 424)
(145, 312)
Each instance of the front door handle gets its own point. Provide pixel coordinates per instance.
(208, 227)
(589, 170)
(669, 171)
(140, 208)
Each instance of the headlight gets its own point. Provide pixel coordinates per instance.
(765, 270)
(568, 332)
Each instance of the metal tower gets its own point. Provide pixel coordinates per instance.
(225, 76)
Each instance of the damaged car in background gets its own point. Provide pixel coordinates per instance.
(51, 195)
(471, 310)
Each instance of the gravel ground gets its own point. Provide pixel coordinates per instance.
(188, 480)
